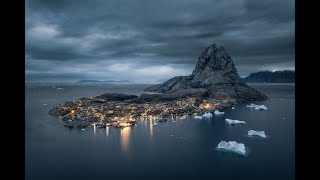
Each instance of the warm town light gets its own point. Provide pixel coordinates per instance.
(207, 106)
(72, 111)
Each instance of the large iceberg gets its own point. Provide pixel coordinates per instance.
(257, 133)
(217, 112)
(257, 107)
(232, 146)
(207, 115)
(232, 122)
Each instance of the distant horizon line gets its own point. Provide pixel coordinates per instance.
(125, 81)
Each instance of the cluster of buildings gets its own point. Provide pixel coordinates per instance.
(92, 111)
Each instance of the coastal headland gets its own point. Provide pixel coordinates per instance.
(213, 84)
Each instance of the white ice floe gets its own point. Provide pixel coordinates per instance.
(232, 146)
(83, 129)
(257, 133)
(257, 107)
(230, 121)
(261, 107)
(60, 88)
(217, 112)
(183, 117)
(233, 108)
(44, 104)
(198, 117)
(155, 124)
(207, 115)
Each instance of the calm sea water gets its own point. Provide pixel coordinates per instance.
(185, 149)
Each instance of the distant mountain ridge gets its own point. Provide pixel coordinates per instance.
(285, 76)
(104, 81)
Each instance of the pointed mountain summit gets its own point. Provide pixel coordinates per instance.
(215, 74)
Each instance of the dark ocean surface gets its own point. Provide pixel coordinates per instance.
(185, 149)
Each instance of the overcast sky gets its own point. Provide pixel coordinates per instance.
(146, 41)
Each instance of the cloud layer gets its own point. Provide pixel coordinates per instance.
(144, 40)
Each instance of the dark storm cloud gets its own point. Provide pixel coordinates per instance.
(136, 38)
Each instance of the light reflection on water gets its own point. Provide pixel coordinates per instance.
(151, 127)
(107, 131)
(94, 129)
(125, 139)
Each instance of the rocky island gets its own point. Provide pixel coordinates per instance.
(213, 84)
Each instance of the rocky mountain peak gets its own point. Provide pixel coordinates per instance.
(213, 58)
(214, 71)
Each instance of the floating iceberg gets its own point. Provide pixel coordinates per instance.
(217, 112)
(257, 133)
(60, 88)
(257, 107)
(207, 115)
(232, 122)
(233, 108)
(251, 105)
(83, 129)
(198, 117)
(44, 104)
(154, 124)
(261, 107)
(232, 146)
(183, 117)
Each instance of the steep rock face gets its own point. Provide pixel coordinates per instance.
(214, 71)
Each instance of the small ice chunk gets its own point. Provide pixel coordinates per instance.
(257, 107)
(207, 115)
(283, 118)
(233, 108)
(183, 117)
(171, 134)
(83, 129)
(174, 121)
(251, 105)
(198, 117)
(232, 122)
(217, 112)
(154, 124)
(44, 104)
(257, 133)
(261, 107)
(232, 146)
(60, 88)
